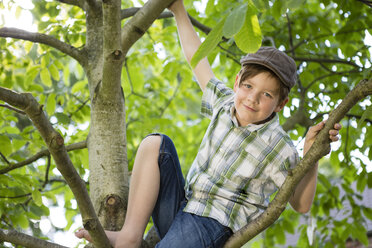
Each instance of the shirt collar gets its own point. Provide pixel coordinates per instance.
(262, 129)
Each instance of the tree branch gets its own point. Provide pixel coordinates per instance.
(304, 41)
(141, 21)
(77, 3)
(329, 75)
(367, 2)
(42, 153)
(92, 3)
(25, 240)
(11, 108)
(6, 160)
(319, 149)
(55, 144)
(126, 13)
(113, 56)
(326, 60)
(43, 39)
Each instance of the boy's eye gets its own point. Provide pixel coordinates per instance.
(247, 86)
(267, 94)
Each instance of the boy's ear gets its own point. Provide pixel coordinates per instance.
(281, 105)
(236, 84)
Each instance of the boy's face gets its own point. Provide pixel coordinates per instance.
(257, 98)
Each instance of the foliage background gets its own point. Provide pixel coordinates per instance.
(326, 38)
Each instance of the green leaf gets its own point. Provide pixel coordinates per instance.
(32, 72)
(5, 145)
(295, 4)
(212, 40)
(78, 86)
(36, 87)
(280, 236)
(51, 104)
(367, 212)
(36, 196)
(54, 72)
(367, 113)
(360, 233)
(62, 118)
(249, 38)
(45, 77)
(66, 75)
(234, 22)
(21, 220)
(277, 9)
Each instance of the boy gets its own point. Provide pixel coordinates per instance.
(242, 160)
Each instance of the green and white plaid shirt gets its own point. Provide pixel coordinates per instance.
(237, 168)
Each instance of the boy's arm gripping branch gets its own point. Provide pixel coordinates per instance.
(190, 43)
(304, 193)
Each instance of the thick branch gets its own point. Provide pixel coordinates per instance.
(24, 240)
(141, 21)
(113, 56)
(125, 13)
(55, 144)
(41, 154)
(43, 39)
(319, 149)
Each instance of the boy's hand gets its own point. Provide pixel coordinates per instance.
(314, 130)
(82, 233)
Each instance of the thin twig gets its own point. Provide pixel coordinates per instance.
(42, 153)
(12, 108)
(6, 160)
(132, 92)
(47, 172)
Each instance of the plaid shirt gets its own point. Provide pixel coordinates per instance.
(237, 168)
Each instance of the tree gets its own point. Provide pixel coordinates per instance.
(125, 86)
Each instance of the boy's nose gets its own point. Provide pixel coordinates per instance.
(253, 97)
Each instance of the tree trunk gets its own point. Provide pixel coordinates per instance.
(108, 164)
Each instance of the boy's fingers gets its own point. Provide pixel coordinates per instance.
(333, 132)
(338, 126)
(318, 127)
(80, 233)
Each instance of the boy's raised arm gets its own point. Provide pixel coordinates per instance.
(190, 42)
(304, 193)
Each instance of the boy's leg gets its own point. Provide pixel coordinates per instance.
(171, 193)
(190, 231)
(143, 193)
(156, 165)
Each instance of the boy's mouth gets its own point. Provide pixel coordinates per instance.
(250, 108)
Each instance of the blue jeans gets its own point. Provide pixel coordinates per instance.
(175, 227)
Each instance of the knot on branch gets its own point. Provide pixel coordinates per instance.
(57, 141)
(112, 210)
(90, 224)
(138, 30)
(117, 55)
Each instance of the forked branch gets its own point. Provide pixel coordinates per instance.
(43, 39)
(55, 143)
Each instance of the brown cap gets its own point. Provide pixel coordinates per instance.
(277, 61)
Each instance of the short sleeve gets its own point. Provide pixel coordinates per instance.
(279, 173)
(214, 94)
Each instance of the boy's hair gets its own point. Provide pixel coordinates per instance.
(279, 64)
(251, 70)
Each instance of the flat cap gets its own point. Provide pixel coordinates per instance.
(277, 61)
